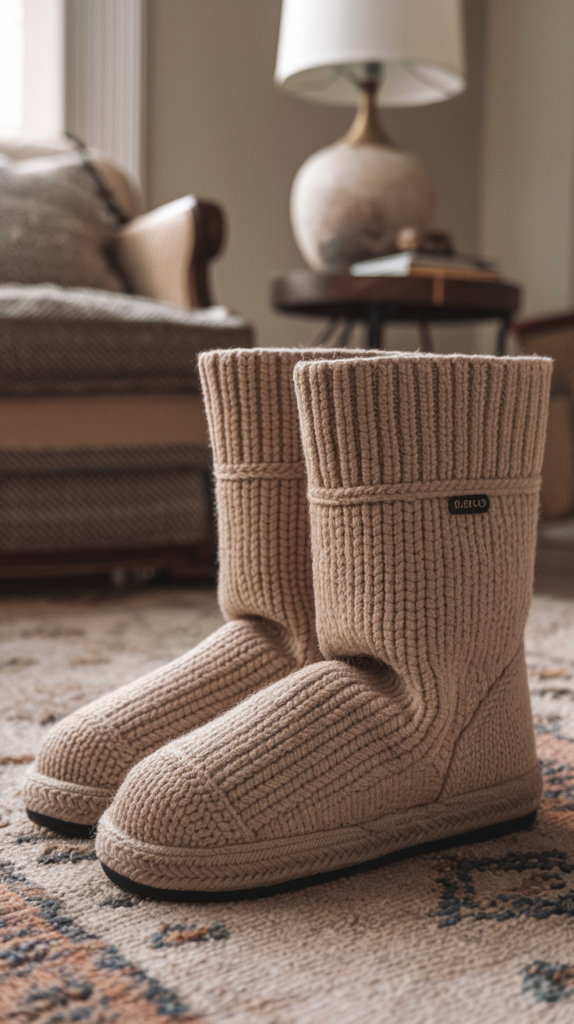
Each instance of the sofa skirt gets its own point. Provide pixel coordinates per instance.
(90, 499)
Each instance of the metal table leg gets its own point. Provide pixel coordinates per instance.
(425, 336)
(346, 333)
(501, 336)
(374, 322)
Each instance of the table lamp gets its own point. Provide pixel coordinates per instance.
(349, 200)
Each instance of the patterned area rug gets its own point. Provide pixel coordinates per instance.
(476, 933)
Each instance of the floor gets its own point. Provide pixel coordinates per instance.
(555, 572)
(476, 933)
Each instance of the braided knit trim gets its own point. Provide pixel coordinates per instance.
(66, 800)
(261, 471)
(247, 865)
(419, 490)
(73, 788)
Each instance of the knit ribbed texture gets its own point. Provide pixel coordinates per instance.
(262, 511)
(265, 591)
(385, 450)
(420, 420)
(420, 726)
(263, 531)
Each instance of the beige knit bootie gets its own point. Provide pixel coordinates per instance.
(265, 594)
(424, 475)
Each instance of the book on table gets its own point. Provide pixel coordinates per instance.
(426, 264)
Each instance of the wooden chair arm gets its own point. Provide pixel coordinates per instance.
(544, 324)
(210, 230)
(551, 336)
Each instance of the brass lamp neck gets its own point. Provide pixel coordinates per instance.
(366, 129)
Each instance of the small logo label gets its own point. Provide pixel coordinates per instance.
(469, 504)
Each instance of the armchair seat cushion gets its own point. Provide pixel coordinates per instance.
(81, 341)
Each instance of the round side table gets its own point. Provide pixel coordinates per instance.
(381, 300)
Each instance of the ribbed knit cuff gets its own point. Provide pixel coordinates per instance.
(405, 424)
(251, 407)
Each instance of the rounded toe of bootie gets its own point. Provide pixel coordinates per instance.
(167, 826)
(72, 780)
(224, 812)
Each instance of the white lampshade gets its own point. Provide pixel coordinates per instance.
(324, 44)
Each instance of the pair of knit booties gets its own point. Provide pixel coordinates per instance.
(377, 523)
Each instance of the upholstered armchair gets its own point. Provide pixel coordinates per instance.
(554, 336)
(104, 461)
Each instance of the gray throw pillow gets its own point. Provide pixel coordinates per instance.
(55, 226)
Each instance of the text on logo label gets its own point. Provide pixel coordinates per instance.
(468, 504)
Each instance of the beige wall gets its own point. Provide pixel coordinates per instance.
(217, 126)
(527, 207)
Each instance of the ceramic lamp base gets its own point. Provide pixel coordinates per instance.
(349, 200)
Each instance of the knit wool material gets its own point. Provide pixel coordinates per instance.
(265, 593)
(419, 725)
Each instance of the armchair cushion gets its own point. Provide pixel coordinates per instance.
(54, 224)
(56, 341)
(155, 251)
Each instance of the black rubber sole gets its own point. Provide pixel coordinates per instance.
(191, 896)
(69, 828)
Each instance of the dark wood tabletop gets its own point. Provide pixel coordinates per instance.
(384, 299)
